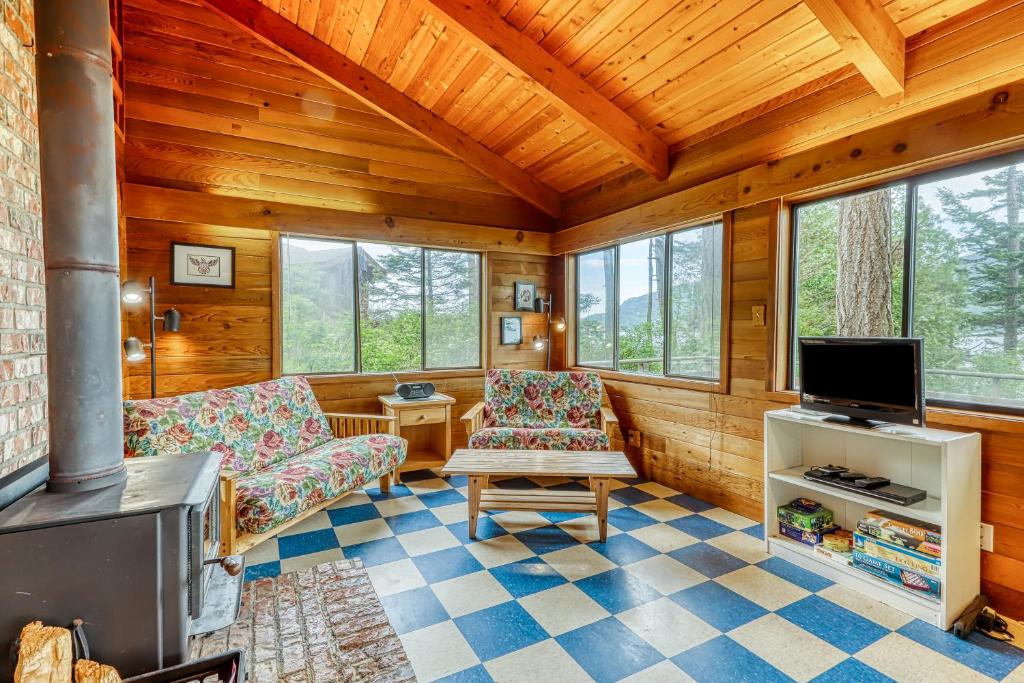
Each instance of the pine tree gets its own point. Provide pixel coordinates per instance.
(864, 270)
(992, 235)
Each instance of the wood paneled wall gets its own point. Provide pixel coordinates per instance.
(505, 269)
(225, 336)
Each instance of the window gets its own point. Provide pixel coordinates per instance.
(363, 307)
(940, 257)
(631, 320)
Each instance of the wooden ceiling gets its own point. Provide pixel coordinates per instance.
(551, 99)
(676, 68)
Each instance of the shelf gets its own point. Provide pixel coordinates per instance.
(928, 510)
(876, 588)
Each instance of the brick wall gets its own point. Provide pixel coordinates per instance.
(23, 429)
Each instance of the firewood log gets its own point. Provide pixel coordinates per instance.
(44, 655)
(87, 671)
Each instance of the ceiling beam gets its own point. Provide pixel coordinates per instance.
(486, 30)
(869, 38)
(337, 69)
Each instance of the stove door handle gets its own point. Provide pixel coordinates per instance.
(232, 564)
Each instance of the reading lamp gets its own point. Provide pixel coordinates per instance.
(556, 324)
(134, 350)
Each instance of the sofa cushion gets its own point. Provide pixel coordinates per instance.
(552, 439)
(277, 494)
(533, 399)
(252, 426)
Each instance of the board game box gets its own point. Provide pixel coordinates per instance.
(805, 536)
(904, 557)
(902, 531)
(802, 519)
(904, 578)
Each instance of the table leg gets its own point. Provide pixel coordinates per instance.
(601, 486)
(476, 484)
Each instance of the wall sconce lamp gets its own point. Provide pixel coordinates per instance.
(134, 350)
(556, 324)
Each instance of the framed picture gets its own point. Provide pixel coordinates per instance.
(512, 330)
(526, 292)
(201, 265)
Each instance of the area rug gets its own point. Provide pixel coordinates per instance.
(321, 624)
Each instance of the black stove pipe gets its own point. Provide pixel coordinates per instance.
(78, 176)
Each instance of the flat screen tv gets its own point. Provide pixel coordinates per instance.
(863, 380)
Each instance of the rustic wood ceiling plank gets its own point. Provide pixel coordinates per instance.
(326, 18)
(344, 73)
(870, 39)
(366, 25)
(410, 59)
(520, 55)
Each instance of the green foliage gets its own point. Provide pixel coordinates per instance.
(968, 264)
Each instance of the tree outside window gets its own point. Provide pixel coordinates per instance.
(961, 281)
(414, 308)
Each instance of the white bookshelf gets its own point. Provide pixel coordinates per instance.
(945, 464)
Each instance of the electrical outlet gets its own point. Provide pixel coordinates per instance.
(633, 437)
(987, 532)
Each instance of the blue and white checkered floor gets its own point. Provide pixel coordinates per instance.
(681, 591)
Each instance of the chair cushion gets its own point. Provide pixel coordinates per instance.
(553, 439)
(277, 494)
(535, 399)
(252, 426)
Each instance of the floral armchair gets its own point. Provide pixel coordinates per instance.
(535, 410)
(282, 458)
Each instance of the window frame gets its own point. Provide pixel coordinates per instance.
(911, 182)
(718, 384)
(357, 317)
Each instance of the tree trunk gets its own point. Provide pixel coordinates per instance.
(1013, 246)
(609, 293)
(864, 273)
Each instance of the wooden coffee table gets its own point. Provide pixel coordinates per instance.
(482, 464)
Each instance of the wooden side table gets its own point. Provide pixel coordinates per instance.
(426, 423)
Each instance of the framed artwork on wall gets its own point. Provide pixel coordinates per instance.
(202, 265)
(525, 292)
(511, 330)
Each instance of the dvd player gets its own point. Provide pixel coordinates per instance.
(893, 493)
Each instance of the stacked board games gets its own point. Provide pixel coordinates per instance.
(805, 520)
(900, 550)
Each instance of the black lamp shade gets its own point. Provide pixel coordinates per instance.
(172, 320)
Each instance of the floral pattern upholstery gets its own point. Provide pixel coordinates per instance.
(252, 427)
(274, 495)
(536, 410)
(273, 435)
(554, 439)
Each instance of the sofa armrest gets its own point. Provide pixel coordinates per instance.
(228, 512)
(351, 424)
(474, 419)
(608, 421)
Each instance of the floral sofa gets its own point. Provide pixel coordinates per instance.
(535, 410)
(280, 458)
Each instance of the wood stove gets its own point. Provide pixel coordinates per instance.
(138, 562)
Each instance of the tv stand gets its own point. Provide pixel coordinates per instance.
(946, 464)
(854, 421)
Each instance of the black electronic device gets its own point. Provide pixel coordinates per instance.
(863, 380)
(831, 469)
(414, 390)
(894, 493)
(870, 482)
(852, 476)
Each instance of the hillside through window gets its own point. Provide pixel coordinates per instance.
(653, 306)
(364, 307)
(939, 257)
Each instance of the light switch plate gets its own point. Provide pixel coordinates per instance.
(757, 315)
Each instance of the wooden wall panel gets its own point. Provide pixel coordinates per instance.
(225, 336)
(504, 270)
